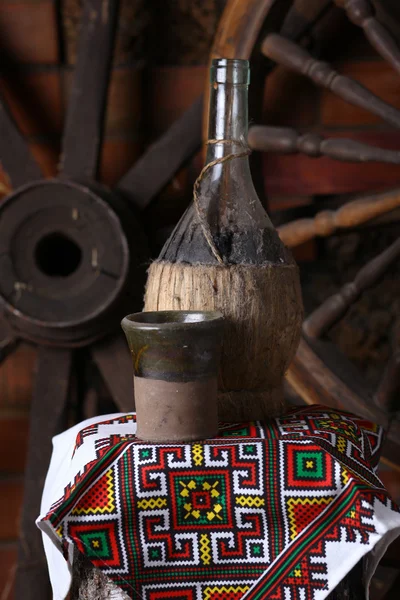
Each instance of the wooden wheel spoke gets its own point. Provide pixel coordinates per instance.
(302, 15)
(336, 306)
(312, 376)
(391, 448)
(286, 140)
(387, 395)
(15, 156)
(320, 374)
(8, 341)
(107, 354)
(85, 115)
(326, 222)
(163, 158)
(47, 419)
(287, 53)
(361, 13)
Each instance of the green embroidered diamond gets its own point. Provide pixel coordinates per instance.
(96, 544)
(352, 513)
(155, 553)
(296, 571)
(309, 464)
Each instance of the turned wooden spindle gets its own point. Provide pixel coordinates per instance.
(336, 306)
(326, 222)
(388, 393)
(286, 140)
(302, 15)
(289, 54)
(362, 13)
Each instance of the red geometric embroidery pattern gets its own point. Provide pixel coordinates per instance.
(302, 511)
(100, 499)
(99, 542)
(261, 511)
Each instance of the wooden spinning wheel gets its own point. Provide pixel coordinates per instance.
(73, 259)
(273, 33)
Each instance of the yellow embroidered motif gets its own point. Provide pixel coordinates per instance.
(214, 513)
(209, 592)
(197, 451)
(205, 550)
(250, 501)
(345, 476)
(152, 503)
(341, 444)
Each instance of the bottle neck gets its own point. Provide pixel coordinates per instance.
(228, 119)
(226, 222)
(227, 201)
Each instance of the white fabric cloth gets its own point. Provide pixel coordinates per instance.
(58, 474)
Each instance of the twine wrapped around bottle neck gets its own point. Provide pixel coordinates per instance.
(196, 191)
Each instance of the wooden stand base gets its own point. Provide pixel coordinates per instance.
(88, 583)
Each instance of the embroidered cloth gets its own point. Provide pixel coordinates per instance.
(281, 509)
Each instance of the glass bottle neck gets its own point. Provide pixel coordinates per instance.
(226, 223)
(228, 120)
(228, 117)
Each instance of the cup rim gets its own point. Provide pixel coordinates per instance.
(178, 319)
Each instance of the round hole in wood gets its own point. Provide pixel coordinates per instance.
(57, 255)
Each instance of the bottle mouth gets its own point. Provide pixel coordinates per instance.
(230, 70)
(172, 319)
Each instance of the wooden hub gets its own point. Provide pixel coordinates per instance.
(64, 260)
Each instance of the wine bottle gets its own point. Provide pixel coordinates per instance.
(225, 255)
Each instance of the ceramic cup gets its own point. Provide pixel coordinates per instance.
(175, 362)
